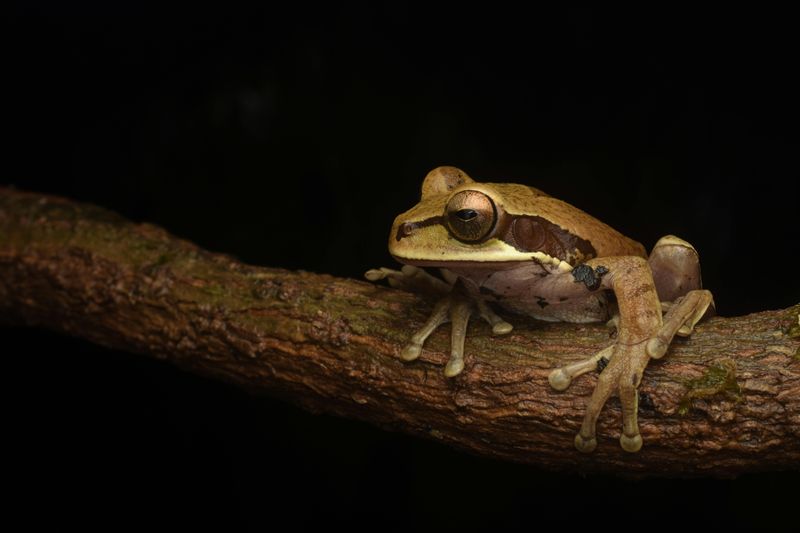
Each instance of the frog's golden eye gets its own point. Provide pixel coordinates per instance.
(471, 216)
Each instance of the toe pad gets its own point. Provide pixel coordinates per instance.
(631, 444)
(585, 445)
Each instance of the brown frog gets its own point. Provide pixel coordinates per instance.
(516, 247)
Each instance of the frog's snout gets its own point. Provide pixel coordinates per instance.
(405, 229)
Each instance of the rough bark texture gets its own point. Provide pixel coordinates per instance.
(723, 402)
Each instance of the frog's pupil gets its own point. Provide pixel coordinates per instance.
(466, 214)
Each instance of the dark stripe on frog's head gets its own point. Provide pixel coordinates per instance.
(407, 228)
(526, 234)
(535, 234)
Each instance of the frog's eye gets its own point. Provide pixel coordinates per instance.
(471, 216)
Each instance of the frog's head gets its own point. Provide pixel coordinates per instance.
(459, 221)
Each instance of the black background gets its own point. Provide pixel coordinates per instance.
(292, 138)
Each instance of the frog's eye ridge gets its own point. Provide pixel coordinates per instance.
(471, 216)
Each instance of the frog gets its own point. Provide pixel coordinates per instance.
(521, 250)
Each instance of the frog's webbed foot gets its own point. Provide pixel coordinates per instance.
(456, 308)
(622, 375)
(621, 367)
(642, 333)
(626, 365)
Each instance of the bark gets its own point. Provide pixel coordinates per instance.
(723, 402)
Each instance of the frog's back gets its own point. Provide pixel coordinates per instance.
(523, 201)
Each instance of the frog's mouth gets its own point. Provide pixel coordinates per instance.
(445, 263)
(549, 264)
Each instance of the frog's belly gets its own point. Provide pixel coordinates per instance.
(520, 289)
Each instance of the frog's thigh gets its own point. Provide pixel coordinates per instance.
(676, 268)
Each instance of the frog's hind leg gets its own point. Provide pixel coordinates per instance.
(676, 268)
(676, 272)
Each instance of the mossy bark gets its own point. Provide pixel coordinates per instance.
(723, 402)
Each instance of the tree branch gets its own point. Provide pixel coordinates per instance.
(723, 402)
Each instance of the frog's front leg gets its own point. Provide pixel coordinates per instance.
(457, 306)
(409, 278)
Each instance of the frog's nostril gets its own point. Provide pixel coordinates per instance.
(405, 229)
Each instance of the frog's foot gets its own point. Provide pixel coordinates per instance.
(561, 378)
(409, 278)
(622, 375)
(681, 317)
(455, 308)
(626, 363)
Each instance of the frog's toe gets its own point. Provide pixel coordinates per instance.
(499, 326)
(623, 375)
(561, 378)
(631, 439)
(377, 274)
(409, 278)
(453, 368)
(680, 319)
(585, 444)
(413, 349)
(502, 328)
(460, 311)
(657, 347)
(411, 352)
(607, 382)
(631, 444)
